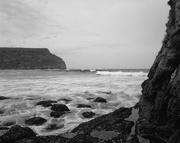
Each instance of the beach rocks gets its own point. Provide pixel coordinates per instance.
(109, 128)
(57, 114)
(46, 103)
(3, 98)
(35, 121)
(83, 106)
(58, 110)
(59, 107)
(16, 133)
(100, 99)
(88, 114)
(51, 127)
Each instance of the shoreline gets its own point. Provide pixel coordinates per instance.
(118, 125)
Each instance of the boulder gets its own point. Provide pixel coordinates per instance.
(100, 99)
(35, 121)
(57, 114)
(59, 108)
(16, 133)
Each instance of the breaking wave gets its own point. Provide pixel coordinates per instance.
(120, 73)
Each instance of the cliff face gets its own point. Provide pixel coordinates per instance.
(160, 101)
(29, 58)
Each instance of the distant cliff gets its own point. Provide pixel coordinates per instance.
(29, 58)
(160, 102)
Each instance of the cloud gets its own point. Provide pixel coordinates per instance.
(19, 19)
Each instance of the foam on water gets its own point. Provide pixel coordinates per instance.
(120, 73)
(26, 88)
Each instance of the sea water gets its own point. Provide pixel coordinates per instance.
(121, 88)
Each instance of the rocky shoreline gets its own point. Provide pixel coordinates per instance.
(118, 126)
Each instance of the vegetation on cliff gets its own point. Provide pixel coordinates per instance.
(29, 58)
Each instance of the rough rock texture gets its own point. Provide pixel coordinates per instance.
(29, 58)
(109, 128)
(160, 100)
(16, 133)
(59, 108)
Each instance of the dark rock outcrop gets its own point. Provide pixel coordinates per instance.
(100, 99)
(59, 108)
(16, 133)
(160, 100)
(29, 58)
(109, 128)
(57, 114)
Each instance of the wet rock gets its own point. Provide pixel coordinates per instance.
(46, 103)
(88, 114)
(109, 128)
(3, 98)
(44, 139)
(35, 121)
(83, 106)
(59, 107)
(16, 133)
(51, 127)
(159, 107)
(57, 114)
(100, 99)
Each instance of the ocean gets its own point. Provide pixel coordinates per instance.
(25, 88)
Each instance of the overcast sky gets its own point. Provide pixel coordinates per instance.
(87, 33)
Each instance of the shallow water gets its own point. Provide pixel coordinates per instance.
(121, 88)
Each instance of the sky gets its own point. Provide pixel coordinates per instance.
(87, 34)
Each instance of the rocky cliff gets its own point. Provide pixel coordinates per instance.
(160, 101)
(29, 58)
